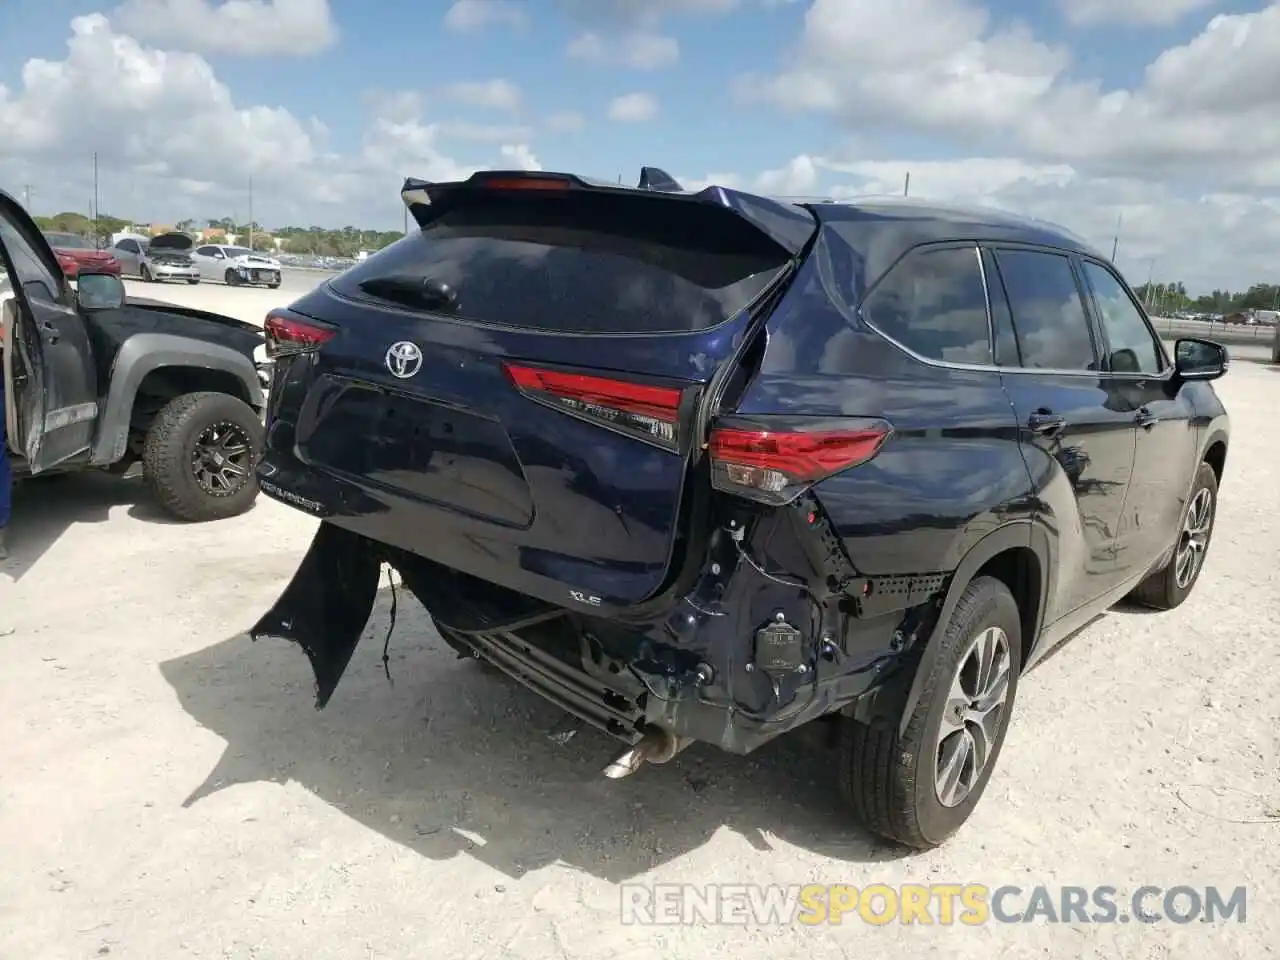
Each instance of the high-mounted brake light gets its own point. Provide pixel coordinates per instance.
(532, 184)
(288, 334)
(775, 464)
(637, 409)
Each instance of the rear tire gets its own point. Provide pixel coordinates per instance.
(1173, 583)
(180, 450)
(192, 282)
(903, 787)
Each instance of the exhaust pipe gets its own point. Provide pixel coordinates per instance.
(656, 746)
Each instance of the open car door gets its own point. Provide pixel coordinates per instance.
(49, 378)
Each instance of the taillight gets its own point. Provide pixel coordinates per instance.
(641, 410)
(288, 334)
(775, 463)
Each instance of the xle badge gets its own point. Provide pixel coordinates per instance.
(584, 598)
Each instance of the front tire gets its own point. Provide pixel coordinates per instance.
(145, 274)
(921, 787)
(192, 281)
(200, 456)
(232, 278)
(1173, 583)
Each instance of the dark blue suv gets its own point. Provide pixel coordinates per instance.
(708, 466)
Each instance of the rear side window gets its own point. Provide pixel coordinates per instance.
(1048, 315)
(934, 304)
(1131, 344)
(585, 264)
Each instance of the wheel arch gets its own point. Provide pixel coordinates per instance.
(1215, 453)
(1019, 555)
(149, 358)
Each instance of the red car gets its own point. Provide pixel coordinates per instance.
(75, 253)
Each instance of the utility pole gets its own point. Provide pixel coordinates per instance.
(1115, 242)
(906, 185)
(251, 214)
(26, 196)
(95, 195)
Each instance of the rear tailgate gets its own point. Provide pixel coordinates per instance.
(517, 384)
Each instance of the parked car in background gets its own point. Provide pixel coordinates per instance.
(75, 252)
(166, 257)
(709, 466)
(237, 266)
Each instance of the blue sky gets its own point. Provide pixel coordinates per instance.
(1150, 112)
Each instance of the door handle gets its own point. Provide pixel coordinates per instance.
(1047, 424)
(1146, 419)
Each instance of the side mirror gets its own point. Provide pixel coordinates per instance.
(1195, 359)
(99, 291)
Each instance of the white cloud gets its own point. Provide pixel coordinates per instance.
(633, 108)
(295, 28)
(1204, 108)
(519, 157)
(496, 94)
(466, 15)
(1157, 13)
(173, 143)
(640, 50)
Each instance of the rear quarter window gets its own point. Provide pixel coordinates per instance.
(628, 265)
(934, 303)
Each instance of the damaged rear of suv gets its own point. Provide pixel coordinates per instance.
(639, 449)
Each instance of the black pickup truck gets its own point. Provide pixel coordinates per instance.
(96, 380)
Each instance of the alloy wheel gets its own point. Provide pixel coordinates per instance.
(220, 461)
(1194, 540)
(971, 720)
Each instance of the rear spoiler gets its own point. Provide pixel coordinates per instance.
(786, 224)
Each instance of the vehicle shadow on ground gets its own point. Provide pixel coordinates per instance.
(44, 508)
(453, 758)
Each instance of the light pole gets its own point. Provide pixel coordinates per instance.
(251, 214)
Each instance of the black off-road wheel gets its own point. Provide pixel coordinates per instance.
(201, 454)
(1173, 583)
(919, 788)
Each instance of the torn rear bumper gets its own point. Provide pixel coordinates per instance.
(697, 671)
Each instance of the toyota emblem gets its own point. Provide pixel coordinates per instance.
(404, 359)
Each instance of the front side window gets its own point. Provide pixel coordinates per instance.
(934, 304)
(1131, 346)
(1049, 317)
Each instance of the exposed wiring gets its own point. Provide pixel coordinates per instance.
(386, 641)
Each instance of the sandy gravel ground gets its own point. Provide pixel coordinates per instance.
(167, 790)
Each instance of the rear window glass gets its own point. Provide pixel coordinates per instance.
(583, 264)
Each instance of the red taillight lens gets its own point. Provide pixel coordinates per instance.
(776, 464)
(289, 334)
(642, 410)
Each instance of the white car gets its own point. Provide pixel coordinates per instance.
(236, 265)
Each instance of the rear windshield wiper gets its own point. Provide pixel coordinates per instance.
(425, 292)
